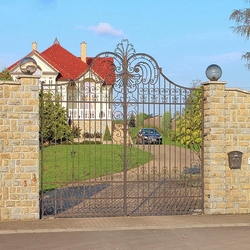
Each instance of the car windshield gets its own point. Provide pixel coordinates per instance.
(150, 131)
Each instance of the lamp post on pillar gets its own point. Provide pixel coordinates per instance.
(29, 102)
(20, 144)
(214, 142)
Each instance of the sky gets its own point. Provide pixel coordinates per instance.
(183, 36)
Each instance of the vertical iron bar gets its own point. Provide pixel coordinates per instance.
(42, 153)
(125, 82)
(202, 150)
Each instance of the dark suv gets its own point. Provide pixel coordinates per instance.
(148, 136)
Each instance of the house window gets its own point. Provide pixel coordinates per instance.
(72, 97)
(89, 97)
(101, 114)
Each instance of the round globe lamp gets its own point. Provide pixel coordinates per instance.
(213, 72)
(28, 66)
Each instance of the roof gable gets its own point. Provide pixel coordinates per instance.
(41, 61)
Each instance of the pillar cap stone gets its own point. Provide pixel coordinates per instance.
(214, 83)
(28, 76)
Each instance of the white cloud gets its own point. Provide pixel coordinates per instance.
(105, 29)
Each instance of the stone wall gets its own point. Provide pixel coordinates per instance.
(227, 129)
(19, 149)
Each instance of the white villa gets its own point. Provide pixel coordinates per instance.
(86, 92)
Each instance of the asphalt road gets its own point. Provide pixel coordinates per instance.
(228, 238)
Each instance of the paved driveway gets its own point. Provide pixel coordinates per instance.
(152, 189)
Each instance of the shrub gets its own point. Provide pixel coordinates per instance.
(76, 131)
(98, 135)
(88, 135)
(107, 135)
(92, 135)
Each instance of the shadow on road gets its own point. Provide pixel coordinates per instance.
(59, 200)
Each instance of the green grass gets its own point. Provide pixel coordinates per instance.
(90, 161)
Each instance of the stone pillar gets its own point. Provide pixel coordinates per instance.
(215, 155)
(19, 149)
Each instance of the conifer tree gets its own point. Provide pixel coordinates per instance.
(53, 125)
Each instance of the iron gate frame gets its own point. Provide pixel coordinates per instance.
(130, 70)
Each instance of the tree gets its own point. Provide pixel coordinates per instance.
(140, 119)
(107, 135)
(242, 20)
(53, 125)
(188, 128)
(166, 122)
(131, 120)
(5, 75)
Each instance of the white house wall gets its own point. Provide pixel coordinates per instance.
(100, 109)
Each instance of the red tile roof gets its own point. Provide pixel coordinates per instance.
(104, 67)
(71, 67)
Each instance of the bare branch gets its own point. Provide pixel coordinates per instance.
(242, 21)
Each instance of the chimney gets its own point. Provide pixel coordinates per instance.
(34, 46)
(83, 51)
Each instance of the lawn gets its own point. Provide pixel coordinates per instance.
(88, 161)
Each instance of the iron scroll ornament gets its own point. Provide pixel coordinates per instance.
(128, 68)
(135, 76)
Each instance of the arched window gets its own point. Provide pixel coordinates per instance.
(72, 96)
(89, 96)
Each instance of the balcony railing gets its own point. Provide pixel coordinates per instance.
(89, 114)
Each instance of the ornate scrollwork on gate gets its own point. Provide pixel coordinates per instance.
(133, 73)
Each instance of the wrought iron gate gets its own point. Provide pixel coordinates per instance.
(94, 162)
